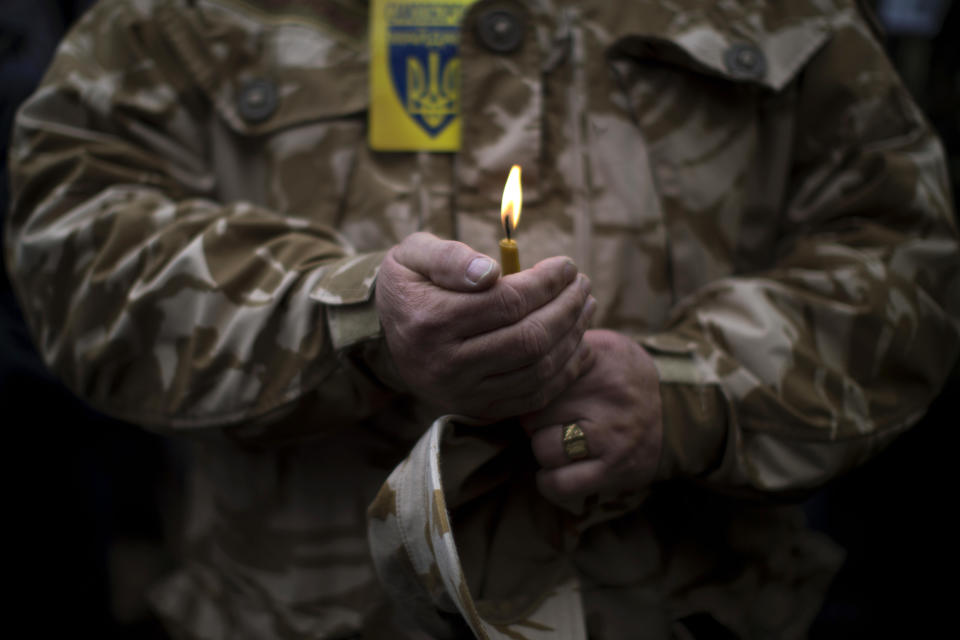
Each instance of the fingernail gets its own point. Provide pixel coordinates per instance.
(569, 270)
(585, 284)
(478, 268)
(590, 308)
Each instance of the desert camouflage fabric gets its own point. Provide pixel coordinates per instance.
(749, 186)
(425, 519)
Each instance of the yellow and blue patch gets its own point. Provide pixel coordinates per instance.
(415, 75)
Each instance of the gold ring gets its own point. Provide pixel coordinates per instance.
(574, 442)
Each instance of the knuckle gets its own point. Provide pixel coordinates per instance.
(572, 370)
(577, 306)
(415, 239)
(409, 246)
(558, 281)
(432, 319)
(586, 285)
(450, 253)
(552, 278)
(546, 367)
(389, 261)
(583, 321)
(534, 339)
(509, 302)
(421, 333)
(420, 320)
(389, 272)
(458, 359)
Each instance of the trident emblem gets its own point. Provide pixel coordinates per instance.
(432, 96)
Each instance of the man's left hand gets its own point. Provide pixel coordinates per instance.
(617, 405)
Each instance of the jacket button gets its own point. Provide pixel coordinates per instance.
(745, 61)
(257, 100)
(500, 29)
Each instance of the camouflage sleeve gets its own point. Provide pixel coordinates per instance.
(147, 294)
(778, 380)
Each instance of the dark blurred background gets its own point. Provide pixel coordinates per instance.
(95, 502)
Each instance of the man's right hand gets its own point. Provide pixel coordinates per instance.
(474, 344)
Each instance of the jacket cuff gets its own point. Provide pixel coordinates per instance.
(357, 337)
(353, 322)
(345, 288)
(348, 280)
(693, 409)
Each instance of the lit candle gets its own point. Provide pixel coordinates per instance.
(510, 207)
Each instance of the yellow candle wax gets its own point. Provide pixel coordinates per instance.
(509, 256)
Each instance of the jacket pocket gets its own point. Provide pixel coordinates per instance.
(711, 98)
(288, 105)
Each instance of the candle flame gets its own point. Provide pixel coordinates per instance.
(512, 201)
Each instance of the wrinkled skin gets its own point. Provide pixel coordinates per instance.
(475, 344)
(617, 404)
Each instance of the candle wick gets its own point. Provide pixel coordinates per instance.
(506, 227)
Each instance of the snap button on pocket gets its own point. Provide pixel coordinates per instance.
(257, 100)
(501, 29)
(745, 61)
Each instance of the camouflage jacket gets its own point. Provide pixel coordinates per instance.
(197, 223)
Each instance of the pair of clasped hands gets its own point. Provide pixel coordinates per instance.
(490, 347)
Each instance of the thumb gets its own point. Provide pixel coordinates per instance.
(446, 263)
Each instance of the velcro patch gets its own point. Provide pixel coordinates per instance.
(415, 75)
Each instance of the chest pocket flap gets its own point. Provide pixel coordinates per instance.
(763, 43)
(267, 72)
(707, 85)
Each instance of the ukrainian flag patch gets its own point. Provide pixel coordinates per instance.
(415, 75)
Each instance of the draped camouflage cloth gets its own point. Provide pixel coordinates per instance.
(752, 192)
(463, 542)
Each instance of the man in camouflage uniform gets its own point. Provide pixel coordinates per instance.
(198, 224)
